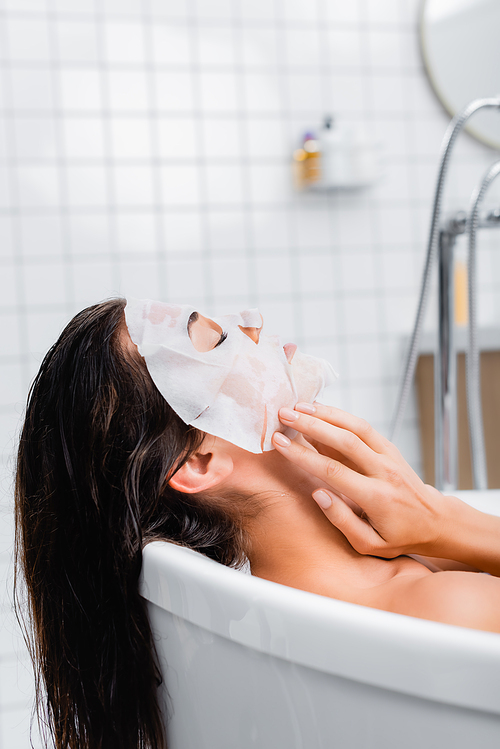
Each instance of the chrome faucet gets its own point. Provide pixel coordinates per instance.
(440, 244)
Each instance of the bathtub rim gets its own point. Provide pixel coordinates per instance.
(430, 660)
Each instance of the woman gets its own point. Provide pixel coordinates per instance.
(105, 465)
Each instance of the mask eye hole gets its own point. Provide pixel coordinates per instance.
(205, 334)
(221, 340)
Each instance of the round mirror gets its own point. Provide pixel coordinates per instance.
(461, 49)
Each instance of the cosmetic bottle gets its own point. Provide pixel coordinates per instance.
(461, 301)
(306, 163)
(336, 154)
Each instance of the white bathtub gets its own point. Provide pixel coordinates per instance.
(255, 664)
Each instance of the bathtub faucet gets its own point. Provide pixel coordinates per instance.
(440, 243)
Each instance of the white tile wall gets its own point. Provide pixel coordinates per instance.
(144, 150)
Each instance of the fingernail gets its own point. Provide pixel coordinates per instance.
(322, 498)
(281, 440)
(286, 414)
(305, 408)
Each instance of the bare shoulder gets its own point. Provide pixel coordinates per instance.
(466, 599)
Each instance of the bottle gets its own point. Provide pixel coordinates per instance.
(335, 149)
(461, 287)
(306, 162)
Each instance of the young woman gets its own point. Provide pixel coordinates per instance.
(105, 465)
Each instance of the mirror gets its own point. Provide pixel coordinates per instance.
(460, 42)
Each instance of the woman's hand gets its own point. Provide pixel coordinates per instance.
(398, 513)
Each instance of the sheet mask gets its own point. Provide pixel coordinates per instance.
(233, 391)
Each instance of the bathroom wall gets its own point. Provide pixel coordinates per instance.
(145, 150)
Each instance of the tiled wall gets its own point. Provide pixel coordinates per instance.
(145, 150)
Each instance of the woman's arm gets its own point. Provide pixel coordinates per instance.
(398, 513)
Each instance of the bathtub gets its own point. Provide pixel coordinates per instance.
(252, 663)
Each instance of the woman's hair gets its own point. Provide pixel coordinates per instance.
(98, 446)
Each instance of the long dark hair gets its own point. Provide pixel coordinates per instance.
(98, 446)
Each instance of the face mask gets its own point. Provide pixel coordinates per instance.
(233, 391)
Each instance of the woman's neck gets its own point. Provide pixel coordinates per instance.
(293, 542)
(291, 537)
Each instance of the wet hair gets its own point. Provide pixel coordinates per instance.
(98, 446)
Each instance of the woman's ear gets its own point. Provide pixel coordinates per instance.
(202, 471)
